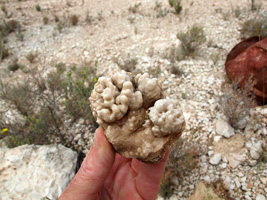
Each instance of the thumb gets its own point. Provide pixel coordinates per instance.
(95, 168)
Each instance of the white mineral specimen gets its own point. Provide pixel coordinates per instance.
(138, 121)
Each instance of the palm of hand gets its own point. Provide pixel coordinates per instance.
(132, 179)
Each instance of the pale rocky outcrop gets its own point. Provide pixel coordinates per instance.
(203, 192)
(34, 172)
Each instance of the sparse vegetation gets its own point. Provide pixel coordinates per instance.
(100, 16)
(135, 8)
(177, 5)
(255, 6)
(180, 163)
(237, 12)
(192, 40)
(3, 51)
(160, 11)
(166, 185)
(56, 18)
(220, 189)
(38, 7)
(263, 156)
(14, 66)
(176, 70)
(236, 102)
(215, 57)
(131, 19)
(89, 19)
(74, 19)
(128, 64)
(173, 54)
(31, 56)
(45, 20)
(254, 27)
(43, 103)
(20, 36)
(10, 26)
(155, 71)
(172, 2)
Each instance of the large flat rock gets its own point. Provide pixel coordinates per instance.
(35, 172)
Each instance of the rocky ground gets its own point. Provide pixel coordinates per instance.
(113, 32)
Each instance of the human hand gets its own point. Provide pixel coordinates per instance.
(105, 174)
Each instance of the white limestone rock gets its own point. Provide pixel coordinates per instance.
(260, 197)
(215, 159)
(224, 129)
(255, 148)
(35, 172)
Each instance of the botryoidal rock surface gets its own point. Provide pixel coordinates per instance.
(35, 172)
(138, 121)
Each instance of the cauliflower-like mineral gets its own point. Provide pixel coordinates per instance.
(137, 120)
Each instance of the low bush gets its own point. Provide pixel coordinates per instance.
(134, 8)
(160, 11)
(254, 27)
(38, 7)
(192, 40)
(176, 70)
(14, 66)
(74, 19)
(44, 103)
(235, 102)
(177, 5)
(11, 26)
(179, 164)
(31, 57)
(45, 20)
(128, 64)
(3, 51)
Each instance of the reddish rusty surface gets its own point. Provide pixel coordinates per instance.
(249, 59)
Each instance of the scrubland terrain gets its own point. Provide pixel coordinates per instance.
(53, 51)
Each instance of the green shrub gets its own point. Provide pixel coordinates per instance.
(183, 158)
(134, 8)
(3, 51)
(38, 7)
(237, 12)
(44, 104)
(45, 20)
(172, 2)
(14, 66)
(161, 12)
(255, 6)
(176, 70)
(77, 90)
(177, 5)
(254, 27)
(166, 189)
(74, 19)
(89, 19)
(128, 64)
(263, 157)
(31, 57)
(4, 10)
(56, 18)
(11, 25)
(100, 16)
(235, 102)
(192, 40)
